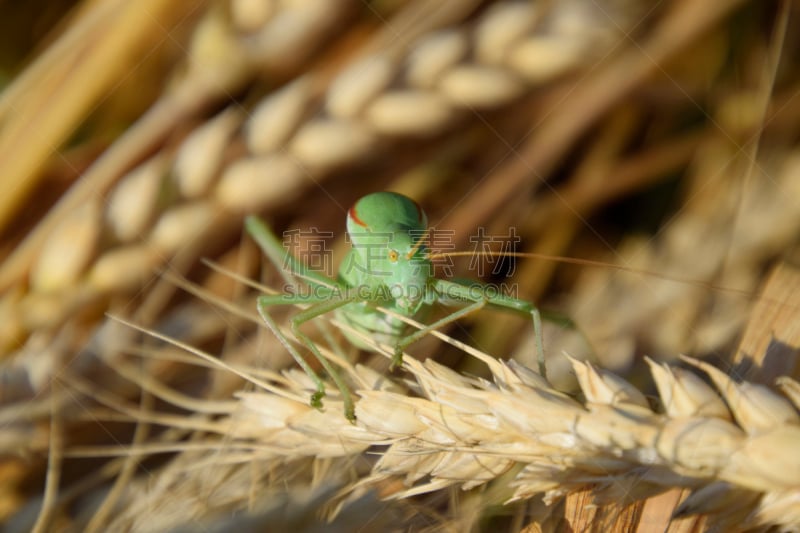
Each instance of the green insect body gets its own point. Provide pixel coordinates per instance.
(387, 235)
(389, 267)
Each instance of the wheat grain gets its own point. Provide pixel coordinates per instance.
(199, 159)
(542, 58)
(253, 183)
(125, 267)
(755, 408)
(358, 84)
(277, 116)
(293, 32)
(395, 113)
(480, 87)
(68, 251)
(433, 55)
(133, 202)
(328, 143)
(500, 30)
(181, 224)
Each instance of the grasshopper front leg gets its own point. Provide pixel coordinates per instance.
(475, 293)
(323, 298)
(321, 306)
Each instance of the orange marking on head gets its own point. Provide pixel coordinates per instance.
(354, 217)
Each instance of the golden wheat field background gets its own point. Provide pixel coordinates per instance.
(651, 146)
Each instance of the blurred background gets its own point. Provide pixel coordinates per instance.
(656, 141)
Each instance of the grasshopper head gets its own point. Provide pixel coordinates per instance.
(388, 234)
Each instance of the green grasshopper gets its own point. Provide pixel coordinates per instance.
(389, 266)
